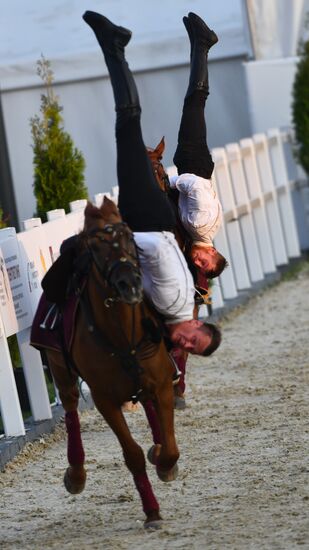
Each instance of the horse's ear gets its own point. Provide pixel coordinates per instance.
(92, 214)
(156, 154)
(108, 205)
(160, 147)
(90, 210)
(109, 208)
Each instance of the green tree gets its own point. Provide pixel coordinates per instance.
(300, 107)
(3, 220)
(58, 164)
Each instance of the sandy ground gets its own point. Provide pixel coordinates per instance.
(244, 441)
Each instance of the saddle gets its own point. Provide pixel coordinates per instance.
(53, 326)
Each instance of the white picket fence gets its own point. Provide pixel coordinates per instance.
(265, 199)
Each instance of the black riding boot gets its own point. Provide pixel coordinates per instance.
(113, 39)
(192, 154)
(141, 203)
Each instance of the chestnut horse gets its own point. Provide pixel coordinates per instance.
(118, 350)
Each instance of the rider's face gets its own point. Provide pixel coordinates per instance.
(191, 336)
(204, 258)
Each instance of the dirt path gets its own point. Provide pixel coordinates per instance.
(244, 442)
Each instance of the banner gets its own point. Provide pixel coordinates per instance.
(7, 310)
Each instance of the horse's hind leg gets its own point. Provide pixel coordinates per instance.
(134, 458)
(75, 475)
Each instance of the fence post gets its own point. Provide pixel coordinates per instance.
(34, 258)
(225, 191)
(270, 198)
(10, 407)
(244, 212)
(283, 191)
(257, 205)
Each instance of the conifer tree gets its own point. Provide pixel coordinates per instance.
(58, 164)
(300, 105)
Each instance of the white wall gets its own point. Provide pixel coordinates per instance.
(158, 53)
(270, 85)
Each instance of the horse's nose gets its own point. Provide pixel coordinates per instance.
(130, 292)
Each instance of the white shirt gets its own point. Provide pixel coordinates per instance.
(167, 280)
(199, 208)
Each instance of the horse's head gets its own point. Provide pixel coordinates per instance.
(113, 251)
(155, 156)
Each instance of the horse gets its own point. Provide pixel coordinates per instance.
(118, 349)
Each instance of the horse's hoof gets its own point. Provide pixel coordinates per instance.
(153, 454)
(153, 521)
(179, 403)
(156, 524)
(73, 483)
(168, 475)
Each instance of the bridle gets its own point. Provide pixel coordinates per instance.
(161, 175)
(115, 233)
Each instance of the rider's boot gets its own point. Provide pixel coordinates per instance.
(192, 153)
(202, 38)
(113, 39)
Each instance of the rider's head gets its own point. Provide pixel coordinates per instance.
(208, 260)
(195, 336)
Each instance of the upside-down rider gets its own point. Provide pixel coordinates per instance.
(166, 277)
(199, 207)
(199, 212)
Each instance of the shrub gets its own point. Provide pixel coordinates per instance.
(58, 165)
(300, 107)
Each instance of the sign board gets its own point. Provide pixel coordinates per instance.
(7, 310)
(36, 260)
(17, 277)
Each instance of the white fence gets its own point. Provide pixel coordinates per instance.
(265, 199)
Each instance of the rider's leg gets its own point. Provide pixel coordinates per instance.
(141, 203)
(192, 154)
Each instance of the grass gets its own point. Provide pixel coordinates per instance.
(293, 271)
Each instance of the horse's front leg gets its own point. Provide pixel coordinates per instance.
(75, 475)
(133, 456)
(165, 456)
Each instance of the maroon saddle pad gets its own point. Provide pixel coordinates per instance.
(54, 326)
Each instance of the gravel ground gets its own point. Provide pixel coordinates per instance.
(244, 441)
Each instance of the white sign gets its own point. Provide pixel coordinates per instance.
(17, 278)
(35, 258)
(7, 310)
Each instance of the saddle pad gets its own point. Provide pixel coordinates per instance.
(48, 331)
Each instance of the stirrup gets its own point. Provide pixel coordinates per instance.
(177, 372)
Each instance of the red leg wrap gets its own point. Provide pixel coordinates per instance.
(76, 455)
(144, 488)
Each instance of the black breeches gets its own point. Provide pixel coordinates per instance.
(192, 154)
(143, 206)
